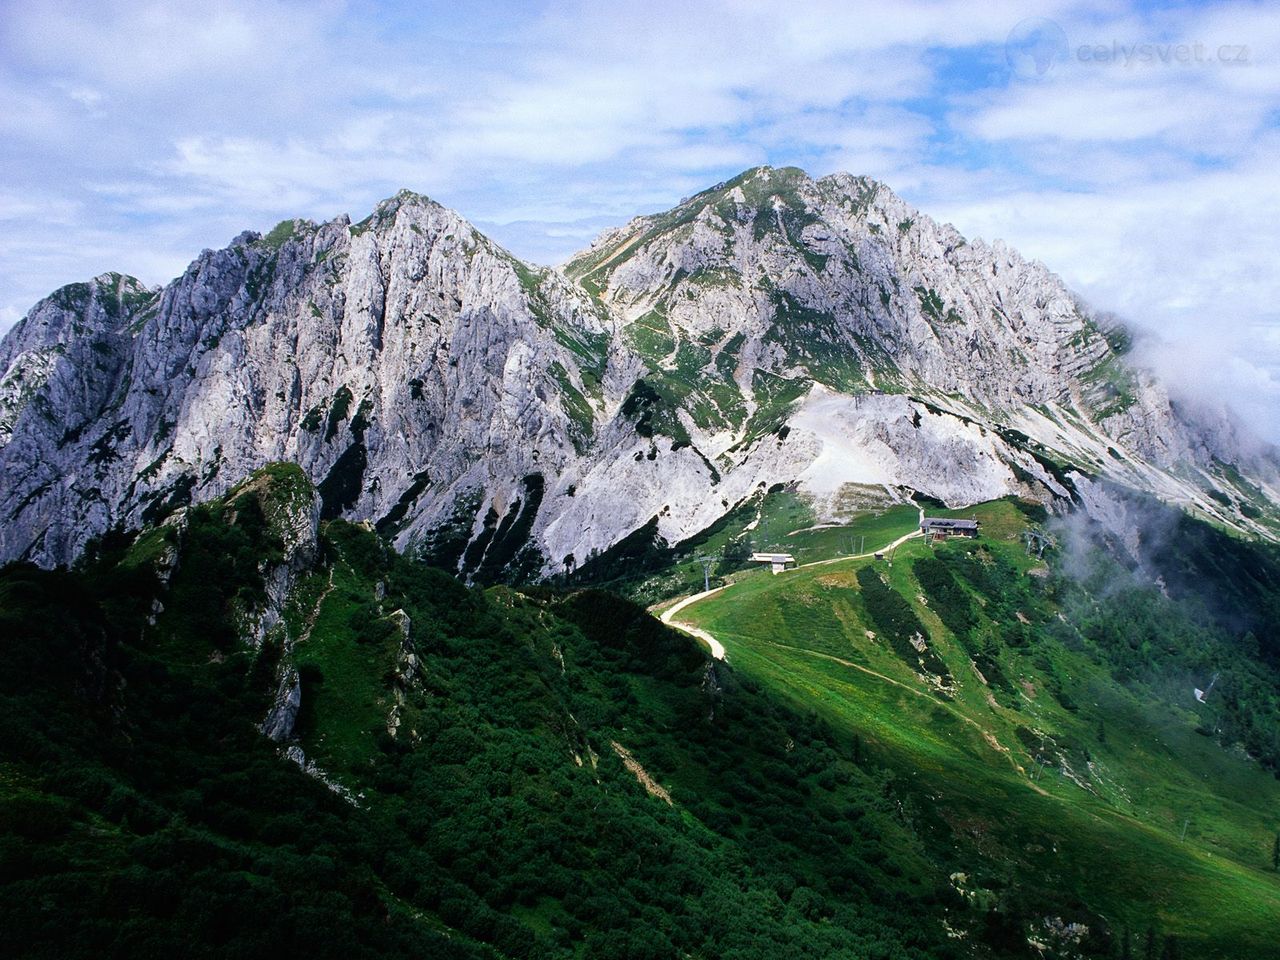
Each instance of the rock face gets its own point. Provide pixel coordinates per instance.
(502, 418)
(285, 707)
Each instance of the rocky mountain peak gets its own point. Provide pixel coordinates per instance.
(500, 418)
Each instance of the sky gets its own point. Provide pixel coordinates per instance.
(1134, 148)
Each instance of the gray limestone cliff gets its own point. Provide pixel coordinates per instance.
(499, 417)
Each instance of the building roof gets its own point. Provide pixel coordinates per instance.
(773, 558)
(946, 523)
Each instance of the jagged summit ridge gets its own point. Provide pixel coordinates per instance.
(313, 343)
(504, 418)
(901, 296)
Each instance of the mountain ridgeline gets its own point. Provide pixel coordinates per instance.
(508, 422)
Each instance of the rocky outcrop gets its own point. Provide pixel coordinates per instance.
(291, 509)
(499, 417)
(406, 669)
(283, 715)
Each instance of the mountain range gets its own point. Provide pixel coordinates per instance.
(509, 421)
(361, 576)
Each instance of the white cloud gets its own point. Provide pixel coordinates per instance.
(133, 133)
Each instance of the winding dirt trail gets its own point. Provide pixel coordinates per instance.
(717, 648)
(871, 553)
(888, 548)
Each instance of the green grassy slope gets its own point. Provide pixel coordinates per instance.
(551, 773)
(776, 520)
(1049, 775)
(519, 808)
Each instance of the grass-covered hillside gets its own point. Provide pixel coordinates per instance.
(646, 568)
(470, 773)
(1045, 724)
(550, 773)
